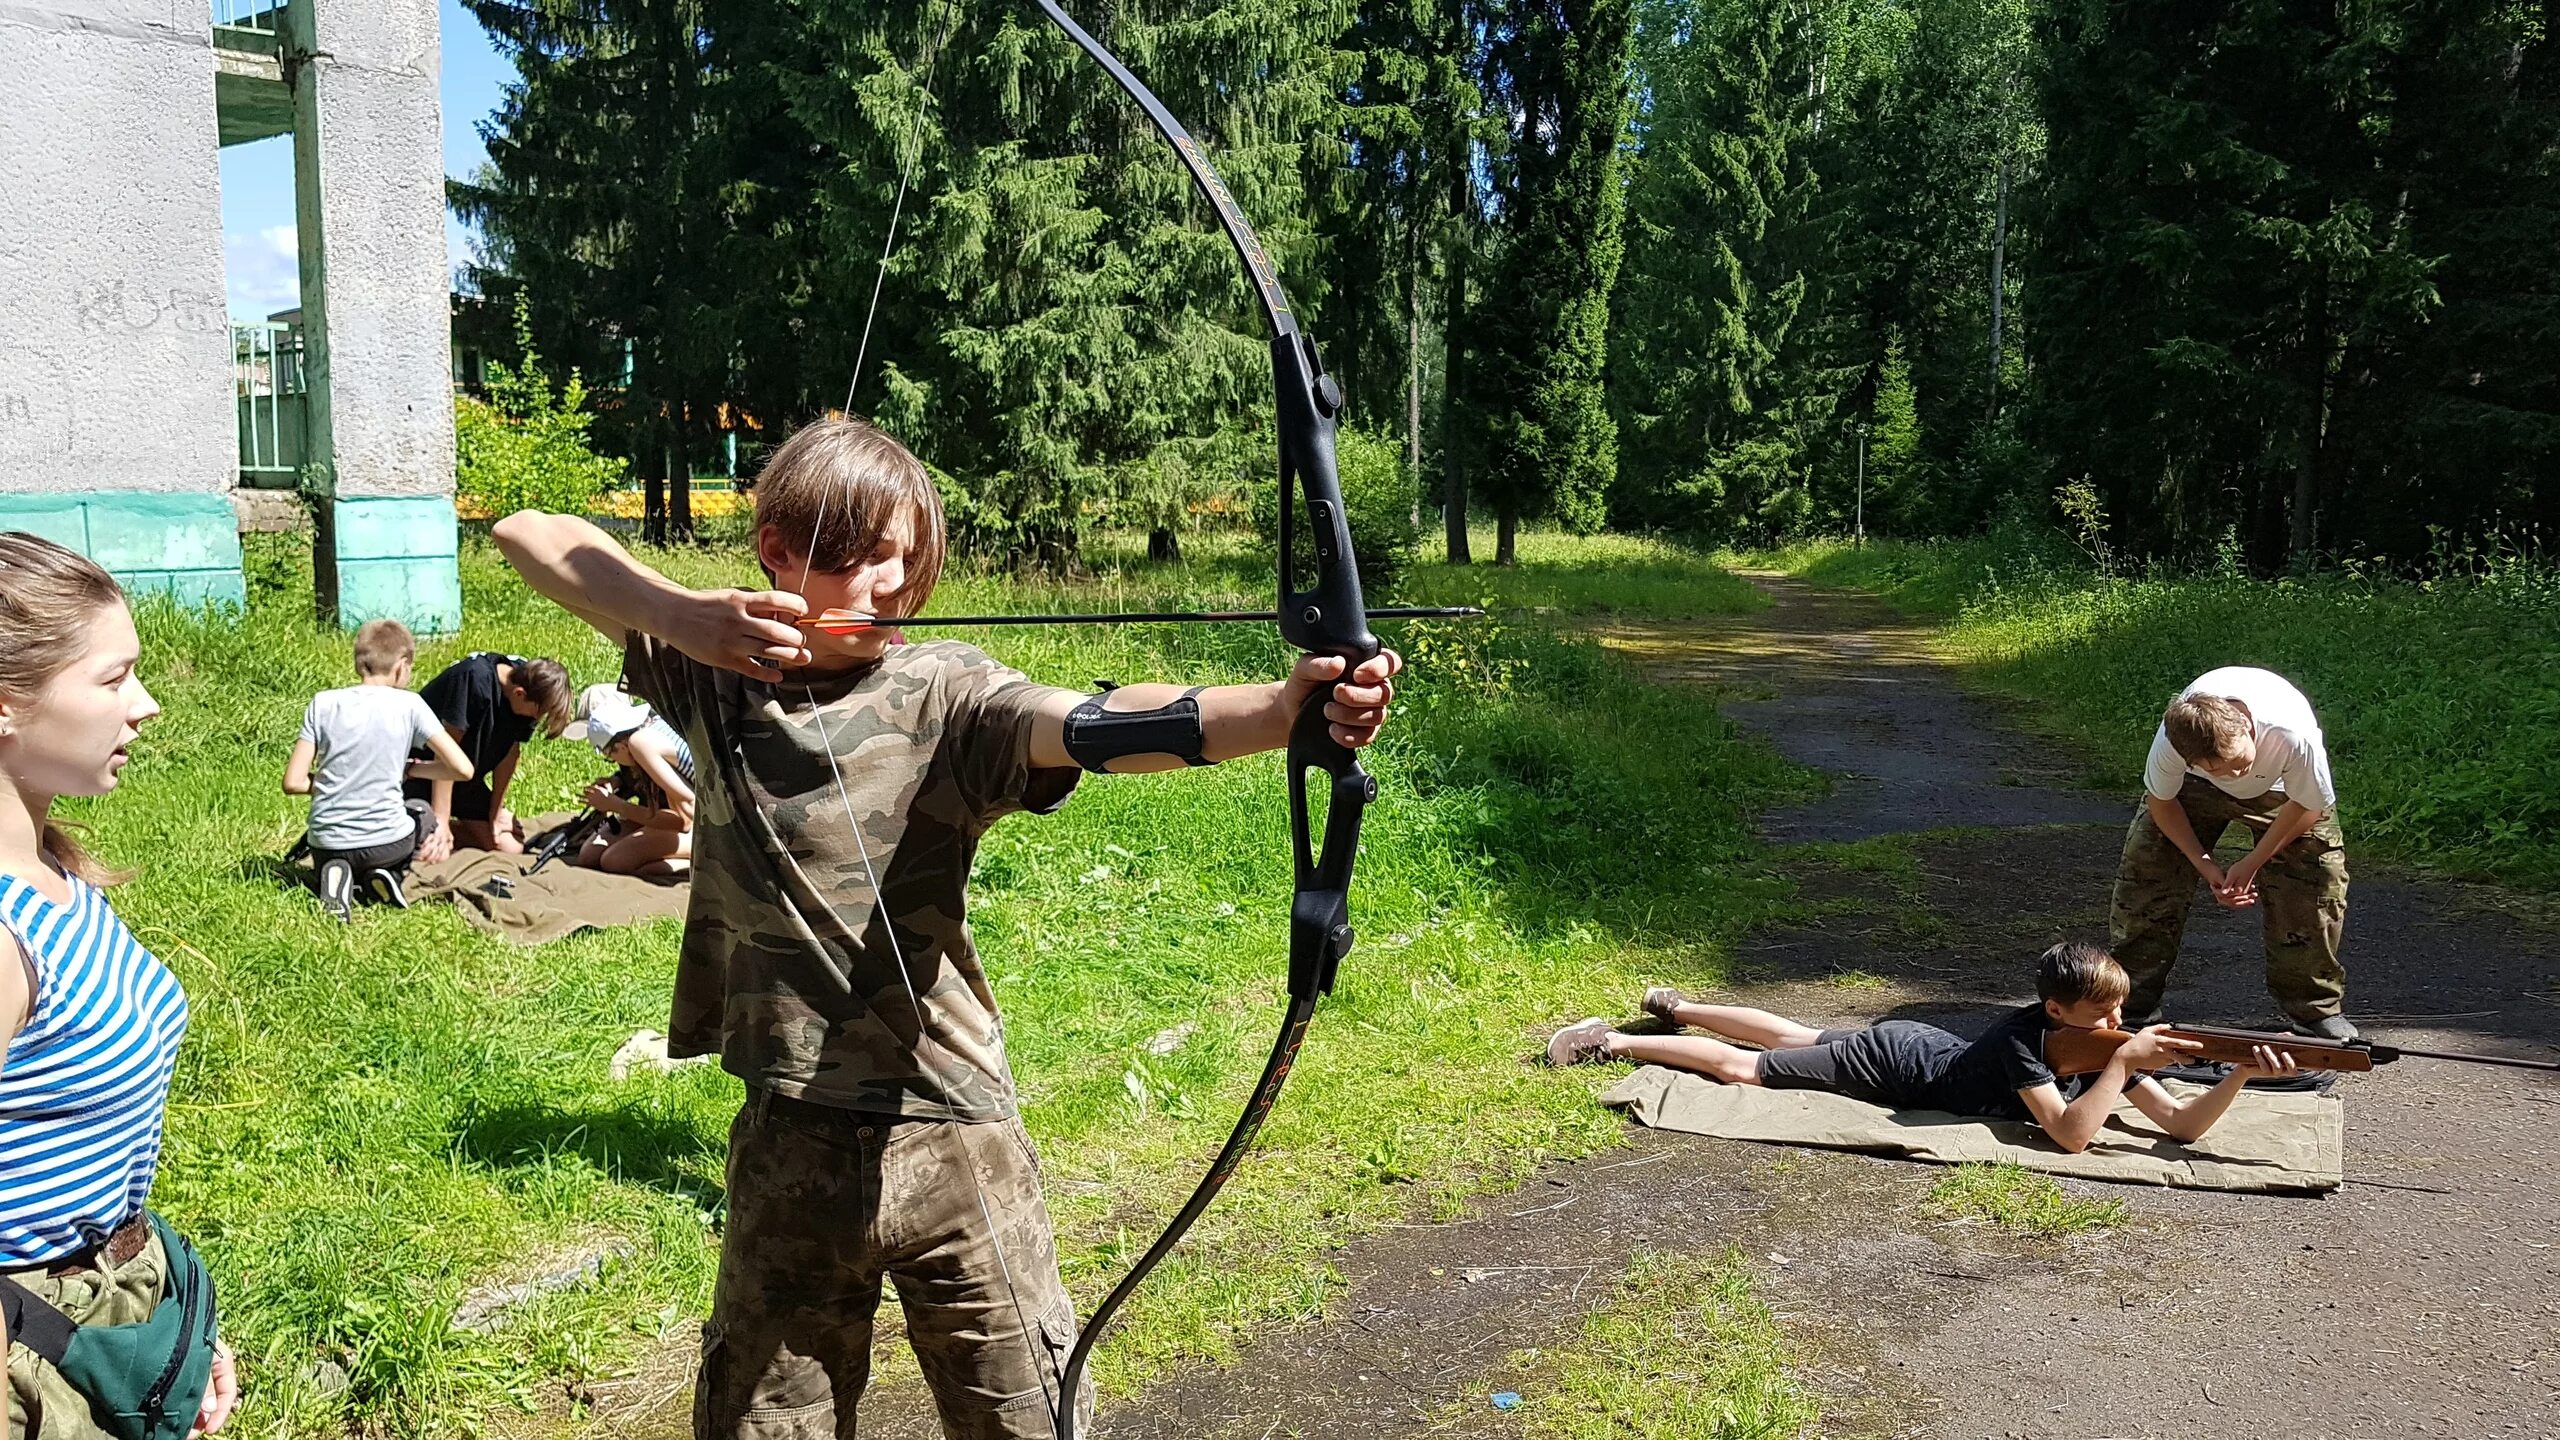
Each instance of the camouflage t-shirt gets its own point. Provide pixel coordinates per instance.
(788, 971)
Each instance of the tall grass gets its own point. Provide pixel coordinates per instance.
(2440, 700)
(372, 1120)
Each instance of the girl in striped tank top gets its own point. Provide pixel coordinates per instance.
(89, 1020)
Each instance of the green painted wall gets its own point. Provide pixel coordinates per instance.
(395, 558)
(187, 545)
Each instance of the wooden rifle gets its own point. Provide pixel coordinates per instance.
(2085, 1052)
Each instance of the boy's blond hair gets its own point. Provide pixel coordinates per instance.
(381, 647)
(2207, 727)
(834, 488)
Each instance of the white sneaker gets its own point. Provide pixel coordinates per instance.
(338, 889)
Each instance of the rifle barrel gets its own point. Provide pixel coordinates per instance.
(2395, 1051)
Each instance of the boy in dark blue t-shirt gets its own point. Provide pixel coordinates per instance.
(1905, 1064)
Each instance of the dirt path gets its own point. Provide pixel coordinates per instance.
(2419, 1300)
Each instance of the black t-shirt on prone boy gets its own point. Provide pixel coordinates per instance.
(1984, 1078)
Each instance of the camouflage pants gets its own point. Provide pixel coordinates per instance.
(120, 1295)
(2302, 902)
(825, 1204)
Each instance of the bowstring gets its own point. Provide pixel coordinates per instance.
(1044, 1373)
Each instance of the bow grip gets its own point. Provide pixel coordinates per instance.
(1320, 905)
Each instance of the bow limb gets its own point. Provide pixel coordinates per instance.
(1325, 617)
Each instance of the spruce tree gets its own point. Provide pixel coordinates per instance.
(1560, 72)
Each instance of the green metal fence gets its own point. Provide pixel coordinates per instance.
(267, 387)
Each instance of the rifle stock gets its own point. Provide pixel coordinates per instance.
(2085, 1052)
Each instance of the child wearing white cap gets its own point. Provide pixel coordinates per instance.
(650, 833)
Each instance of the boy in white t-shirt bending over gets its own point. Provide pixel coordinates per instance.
(351, 758)
(2239, 746)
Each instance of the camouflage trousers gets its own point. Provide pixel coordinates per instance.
(2302, 902)
(42, 1404)
(824, 1205)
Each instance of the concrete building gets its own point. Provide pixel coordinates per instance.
(136, 422)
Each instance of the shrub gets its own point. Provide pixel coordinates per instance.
(525, 447)
(1378, 499)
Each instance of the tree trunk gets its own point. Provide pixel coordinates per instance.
(1506, 548)
(652, 460)
(2302, 532)
(1164, 546)
(1413, 377)
(1453, 327)
(1999, 254)
(680, 488)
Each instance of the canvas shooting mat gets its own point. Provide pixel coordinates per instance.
(2270, 1141)
(495, 894)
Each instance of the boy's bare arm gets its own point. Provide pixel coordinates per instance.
(2072, 1126)
(2190, 1119)
(1237, 720)
(297, 768)
(585, 572)
(449, 764)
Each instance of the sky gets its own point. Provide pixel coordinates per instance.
(257, 180)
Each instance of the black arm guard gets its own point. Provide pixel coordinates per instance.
(1096, 737)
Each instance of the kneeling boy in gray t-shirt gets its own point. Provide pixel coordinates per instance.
(351, 758)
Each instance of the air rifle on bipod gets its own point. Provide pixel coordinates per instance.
(2085, 1052)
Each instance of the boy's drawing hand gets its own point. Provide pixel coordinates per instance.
(749, 631)
(437, 847)
(1360, 699)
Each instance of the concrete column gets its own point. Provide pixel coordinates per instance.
(369, 183)
(115, 354)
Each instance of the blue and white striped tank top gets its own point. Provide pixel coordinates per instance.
(87, 1077)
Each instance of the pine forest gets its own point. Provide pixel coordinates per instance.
(2264, 280)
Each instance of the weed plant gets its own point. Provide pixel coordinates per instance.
(2440, 699)
(372, 1120)
(2018, 1199)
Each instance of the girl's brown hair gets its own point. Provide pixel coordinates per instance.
(48, 598)
(836, 487)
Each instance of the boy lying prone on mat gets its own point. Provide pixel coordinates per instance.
(1907, 1065)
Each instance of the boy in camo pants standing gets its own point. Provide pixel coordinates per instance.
(827, 956)
(2240, 746)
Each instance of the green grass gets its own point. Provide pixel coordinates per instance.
(370, 1120)
(1683, 1350)
(1598, 575)
(2018, 1199)
(2440, 702)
